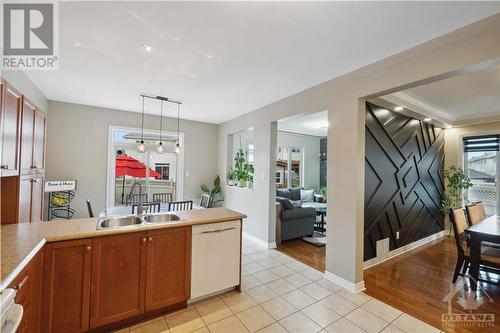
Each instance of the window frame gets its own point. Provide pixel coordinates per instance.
(463, 157)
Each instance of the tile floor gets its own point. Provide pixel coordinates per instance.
(280, 294)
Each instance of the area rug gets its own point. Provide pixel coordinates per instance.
(318, 239)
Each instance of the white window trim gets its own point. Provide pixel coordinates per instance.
(110, 179)
(289, 164)
(461, 160)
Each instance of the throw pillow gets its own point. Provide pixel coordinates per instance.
(285, 202)
(283, 192)
(296, 203)
(295, 193)
(307, 195)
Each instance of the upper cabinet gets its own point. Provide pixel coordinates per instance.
(32, 139)
(10, 130)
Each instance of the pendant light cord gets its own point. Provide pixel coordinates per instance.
(142, 122)
(161, 120)
(178, 121)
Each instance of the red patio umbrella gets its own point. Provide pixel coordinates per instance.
(129, 166)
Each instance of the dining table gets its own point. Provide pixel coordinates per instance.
(488, 230)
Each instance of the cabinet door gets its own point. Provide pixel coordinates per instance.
(28, 284)
(27, 121)
(10, 132)
(118, 274)
(37, 199)
(25, 192)
(66, 286)
(168, 267)
(39, 140)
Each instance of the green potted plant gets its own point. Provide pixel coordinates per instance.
(248, 174)
(320, 193)
(243, 171)
(215, 193)
(232, 176)
(454, 195)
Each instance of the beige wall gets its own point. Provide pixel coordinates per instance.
(77, 148)
(453, 137)
(344, 97)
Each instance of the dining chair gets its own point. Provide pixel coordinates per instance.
(134, 199)
(151, 207)
(205, 200)
(174, 206)
(162, 197)
(490, 256)
(475, 212)
(89, 208)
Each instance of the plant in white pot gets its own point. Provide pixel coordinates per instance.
(243, 170)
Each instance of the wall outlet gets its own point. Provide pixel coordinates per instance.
(382, 246)
(397, 234)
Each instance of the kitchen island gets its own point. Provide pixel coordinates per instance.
(95, 280)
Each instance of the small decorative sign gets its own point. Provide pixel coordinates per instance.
(60, 185)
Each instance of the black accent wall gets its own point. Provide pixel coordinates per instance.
(323, 163)
(403, 179)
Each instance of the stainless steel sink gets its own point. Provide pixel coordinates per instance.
(155, 218)
(119, 222)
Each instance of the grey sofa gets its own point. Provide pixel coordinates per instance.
(296, 222)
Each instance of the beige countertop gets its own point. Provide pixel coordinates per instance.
(20, 242)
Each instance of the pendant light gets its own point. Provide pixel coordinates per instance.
(142, 147)
(177, 146)
(160, 148)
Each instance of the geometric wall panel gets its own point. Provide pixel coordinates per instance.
(403, 179)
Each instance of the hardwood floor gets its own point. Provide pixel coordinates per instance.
(307, 253)
(416, 282)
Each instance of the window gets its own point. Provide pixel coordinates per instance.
(482, 165)
(289, 167)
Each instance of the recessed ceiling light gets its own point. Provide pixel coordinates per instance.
(147, 48)
(209, 56)
(427, 119)
(77, 44)
(176, 38)
(398, 108)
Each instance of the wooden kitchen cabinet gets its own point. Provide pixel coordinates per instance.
(168, 267)
(28, 284)
(32, 139)
(66, 286)
(37, 198)
(11, 114)
(39, 125)
(118, 278)
(30, 198)
(25, 191)
(27, 121)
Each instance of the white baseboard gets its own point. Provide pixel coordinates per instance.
(399, 251)
(346, 284)
(259, 241)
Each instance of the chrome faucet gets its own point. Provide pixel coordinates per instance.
(140, 208)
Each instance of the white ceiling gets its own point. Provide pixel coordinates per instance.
(315, 124)
(223, 59)
(460, 99)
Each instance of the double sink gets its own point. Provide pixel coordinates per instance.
(134, 220)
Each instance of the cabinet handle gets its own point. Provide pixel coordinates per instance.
(34, 167)
(22, 283)
(150, 239)
(5, 167)
(144, 240)
(89, 248)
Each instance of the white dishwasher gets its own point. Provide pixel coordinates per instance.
(215, 261)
